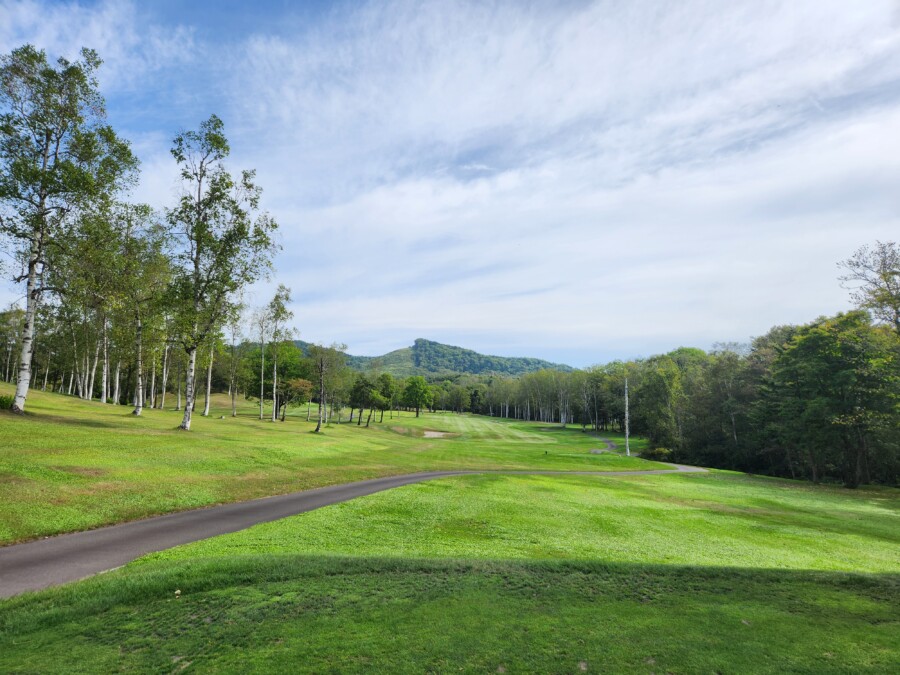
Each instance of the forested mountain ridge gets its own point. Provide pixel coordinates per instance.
(426, 357)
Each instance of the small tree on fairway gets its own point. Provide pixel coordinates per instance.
(327, 362)
(224, 247)
(417, 395)
(56, 155)
(278, 314)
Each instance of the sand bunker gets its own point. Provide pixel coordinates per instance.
(435, 434)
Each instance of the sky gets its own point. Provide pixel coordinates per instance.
(575, 181)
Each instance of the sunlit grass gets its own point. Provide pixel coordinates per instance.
(72, 464)
(677, 573)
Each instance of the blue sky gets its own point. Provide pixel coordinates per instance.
(577, 181)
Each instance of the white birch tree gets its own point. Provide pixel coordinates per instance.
(223, 246)
(56, 154)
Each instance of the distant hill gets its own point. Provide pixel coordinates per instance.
(426, 357)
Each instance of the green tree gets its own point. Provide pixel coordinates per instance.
(279, 314)
(328, 364)
(56, 156)
(388, 389)
(874, 275)
(223, 246)
(416, 394)
(836, 383)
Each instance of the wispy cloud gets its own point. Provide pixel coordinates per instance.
(587, 179)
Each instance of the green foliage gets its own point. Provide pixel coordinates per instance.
(874, 275)
(6, 402)
(417, 394)
(657, 454)
(432, 359)
(57, 158)
(835, 388)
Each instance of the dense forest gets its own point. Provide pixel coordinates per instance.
(137, 305)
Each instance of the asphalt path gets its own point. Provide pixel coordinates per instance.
(68, 557)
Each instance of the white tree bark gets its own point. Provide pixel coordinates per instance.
(90, 389)
(189, 393)
(116, 392)
(139, 388)
(262, 370)
(104, 386)
(153, 382)
(208, 381)
(33, 296)
(165, 377)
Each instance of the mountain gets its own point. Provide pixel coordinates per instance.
(429, 358)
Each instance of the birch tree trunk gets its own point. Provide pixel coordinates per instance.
(275, 385)
(139, 389)
(262, 369)
(33, 296)
(93, 378)
(321, 399)
(118, 372)
(153, 382)
(165, 377)
(104, 386)
(208, 381)
(189, 393)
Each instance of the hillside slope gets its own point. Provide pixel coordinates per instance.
(426, 357)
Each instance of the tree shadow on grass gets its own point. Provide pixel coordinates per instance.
(415, 615)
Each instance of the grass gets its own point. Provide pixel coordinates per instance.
(334, 615)
(73, 465)
(710, 520)
(682, 573)
(677, 573)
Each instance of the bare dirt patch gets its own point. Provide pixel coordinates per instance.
(11, 478)
(81, 470)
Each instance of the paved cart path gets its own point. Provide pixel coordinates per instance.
(68, 557)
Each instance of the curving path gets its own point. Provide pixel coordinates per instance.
(68, 557)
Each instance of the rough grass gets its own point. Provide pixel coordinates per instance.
(674, 573)
(72, 465)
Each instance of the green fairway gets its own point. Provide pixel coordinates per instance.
(677, 573)
(72, 465)
(718, 519)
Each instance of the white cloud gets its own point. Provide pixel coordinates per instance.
(131, 48)
(586, 180)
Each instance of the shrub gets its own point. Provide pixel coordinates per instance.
(6, 402)
(657, 454)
